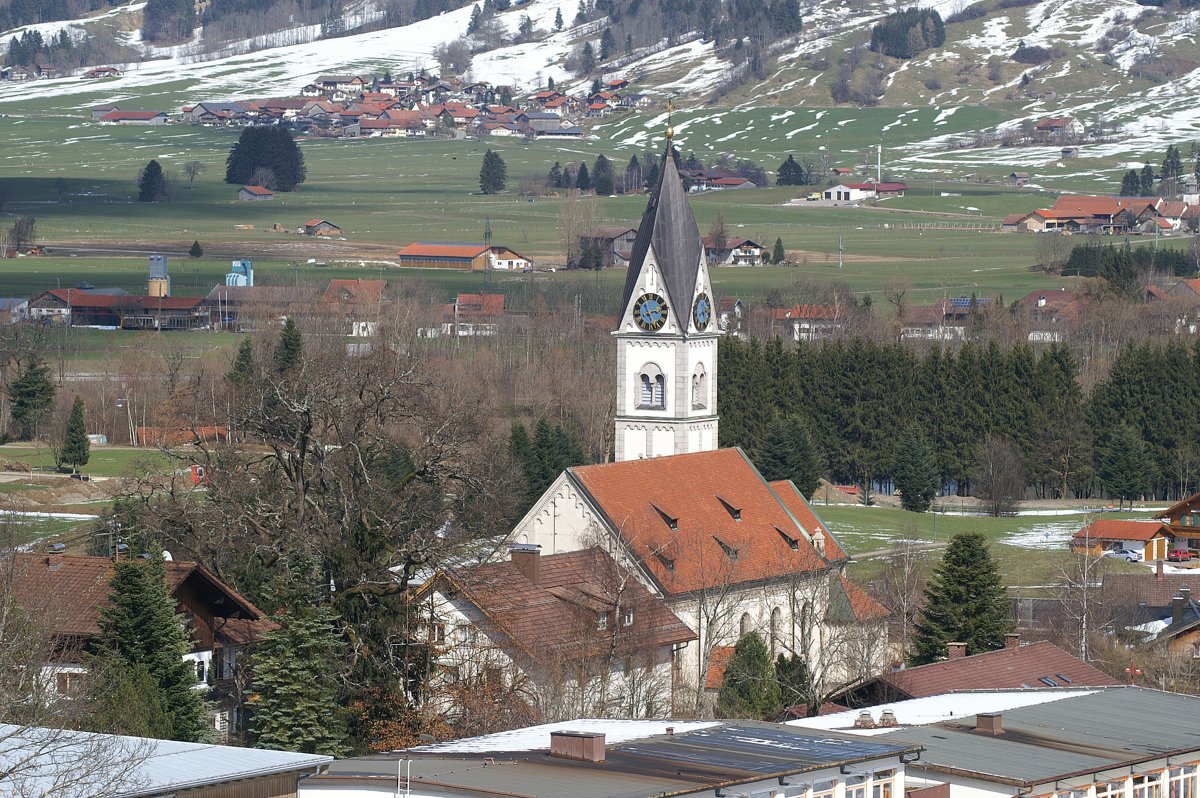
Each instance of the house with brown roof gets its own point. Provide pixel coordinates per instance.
(445, 255)
(321, 227)
(734, 251)
(1183, 521)
(615, 243)
(562, 634)
(255, 194)
(1016, 666)
(808, 322)
(1063, 129)
(68, 593)
(118, 117)
(1151, 539)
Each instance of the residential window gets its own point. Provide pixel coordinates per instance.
(68, 683)
(856, 787)
(201, 672)
(437, 633)
(823, 789)
(1147, 785)
(744, 626)
(882, 787)
(627, 618)
(1071, 794)
(1181, 782)
(602, 621)
(1111, 789)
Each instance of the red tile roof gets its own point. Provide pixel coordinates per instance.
(863, 606)
(73, 593)
(471, 305)
(354, 292)
(718, 661)
(1070, 206)
(731, 181)
(1005, 669)
(1127, 591)
(422, 249)
(1114, 529)
(258, 191)
(803, 512)
(90, 299)
(551, 619)
(1055, 122)
(700, 520)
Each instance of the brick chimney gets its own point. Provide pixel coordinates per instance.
(1012, 640)
(1158, 570)
(956, 650)
(527, 557)
(580, 746)
(1177, 609)
(887, 719)
(54, 561)
(989, 723)
(864, 720)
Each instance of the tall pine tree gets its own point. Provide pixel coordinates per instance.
(76, 449)
(32, 396)
(915, 471)
(965, 602)
(290, 346)
(142, 628)
(750, 688)
(493, 174)
(787, 452)
(151, 183)
(1126, 470)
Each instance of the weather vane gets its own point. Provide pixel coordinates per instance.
(670, 129)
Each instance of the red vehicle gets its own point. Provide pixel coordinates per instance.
(1179, 555)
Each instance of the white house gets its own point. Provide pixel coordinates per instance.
(848, 193)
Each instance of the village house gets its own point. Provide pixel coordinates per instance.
(735, 251)
(1089, 214)
(504, 259)
(1016, 666)
(70, 592)
(1058, 129)
(614, 243)
(1049, 314)
(1018, 178)
(1155, 611)
(102, 72)
(469, 315)
(930, 323)
(1182, 520)
(321, 227)
(808, 322)
(255, 194)
(857, 192)
(1150, 539)
(564, 633)
(731, 316)
(632, 759)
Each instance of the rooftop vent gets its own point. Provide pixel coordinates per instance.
(864, 720)
(989, 723)
(1012, 640)
(579, 746)
(887, 719)
(956, 650)
(527, 559)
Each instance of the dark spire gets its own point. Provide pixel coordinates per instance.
(670, 229)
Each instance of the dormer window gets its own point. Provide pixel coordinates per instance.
(793, 543)
(672, 523)
(734, 512)
(666, 561)
(730, 551)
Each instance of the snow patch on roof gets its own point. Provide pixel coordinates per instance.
(537, 738)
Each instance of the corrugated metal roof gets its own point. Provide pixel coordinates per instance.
(1085, 734)
(164, 766)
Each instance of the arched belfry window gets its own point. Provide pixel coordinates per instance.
(653, 387)
(699, 387)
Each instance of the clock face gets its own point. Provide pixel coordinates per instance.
(650, 312)
(702, 311)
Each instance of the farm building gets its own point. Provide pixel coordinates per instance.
(1018, 178)
(321, 227)
(1149, 538)
(614, 243)
(83, 308)
(102, 72)
(506, 259)
(134, 118)
(857, 192)
(443, 255)
(255, 194)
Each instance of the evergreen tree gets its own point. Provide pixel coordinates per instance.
(141, 628)
(266, 147)
(587, 58)
(794, 683)
(75, 447)
(1146, 189)
(1126, 470)
(290, 346)
(602, 176)
(1131, 185)
(476, 18)
(242, 370)
(778, 255)
(123, 698)
(554, 178)
(652, 174)
(152, 183)
(558, 20)
(294, 691)
(628, 43)
(788, 453)
(32, 396)
(791, 173)
(196, 250)
(583, 180)
(965, 602)
(543, 457)
(750, 688)
(493, 173)
(597, 86)
(607, 43)
(915, 471)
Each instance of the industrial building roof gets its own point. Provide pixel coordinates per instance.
(696, 758)
(1082, 735)
(38, 761)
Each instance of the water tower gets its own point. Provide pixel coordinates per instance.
(241, 274)
(159, 283)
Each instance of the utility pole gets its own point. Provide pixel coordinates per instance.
(841, 249)
(879, 166)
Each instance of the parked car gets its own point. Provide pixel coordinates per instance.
(1124, 554)
(1179, 555)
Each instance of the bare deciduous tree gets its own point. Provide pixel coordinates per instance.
(999, 475)
(192, 170)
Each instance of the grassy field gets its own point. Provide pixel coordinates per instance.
(1031, 549)
(103, 462)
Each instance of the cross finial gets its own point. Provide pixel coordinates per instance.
(670, 129)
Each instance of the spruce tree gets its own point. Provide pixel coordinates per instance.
(196, 250)
(1146, 188)
(242, 370)
(1131, 186)
(965, 602)
(788, 452)
(294, 691)
(142, 628)
(795, 686)
(75, 446)
(151, 183)
(583, 181)
(266, 147)
(914, 470)
(750, 688)
(558, 20)
(602, 176)
(1126, 470)
(778, 255)
(290, 346)
(493, 173)
(32, 396)
(123, 698)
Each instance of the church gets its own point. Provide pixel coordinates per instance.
(696, 525)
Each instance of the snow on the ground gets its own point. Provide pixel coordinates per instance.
(537, 738)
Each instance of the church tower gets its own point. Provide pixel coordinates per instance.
(667, 333)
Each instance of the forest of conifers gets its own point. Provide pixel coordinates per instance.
(858, 396)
